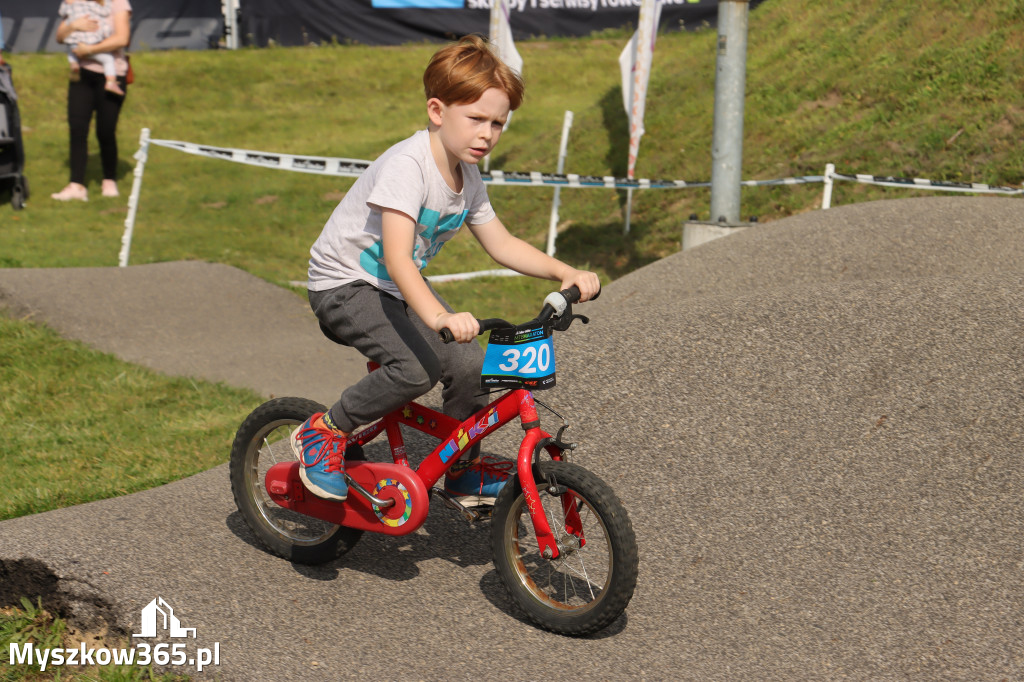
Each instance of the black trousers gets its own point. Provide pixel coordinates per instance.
(86, 96)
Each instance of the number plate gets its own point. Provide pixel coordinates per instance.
(519, 358)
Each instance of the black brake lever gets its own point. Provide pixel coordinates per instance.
(565, 320)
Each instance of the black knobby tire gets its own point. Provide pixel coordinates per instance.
(261, 442)
(586, 588)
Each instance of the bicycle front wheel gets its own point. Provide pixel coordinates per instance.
(261, 442)
(592, 580)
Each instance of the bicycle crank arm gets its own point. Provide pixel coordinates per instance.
(375, 501)
(452, 502)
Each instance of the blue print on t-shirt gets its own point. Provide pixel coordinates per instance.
(431, 225)
(372, 260)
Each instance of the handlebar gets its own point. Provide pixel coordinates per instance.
(555, 305)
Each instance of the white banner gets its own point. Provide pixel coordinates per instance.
(501, 39)
(501, 36)
(635, 64)
(353, 168)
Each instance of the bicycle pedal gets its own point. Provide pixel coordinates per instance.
(471, 514)
(484, 511)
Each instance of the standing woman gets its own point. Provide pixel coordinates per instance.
(88, 94)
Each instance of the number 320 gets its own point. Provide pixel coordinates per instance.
(533, 358)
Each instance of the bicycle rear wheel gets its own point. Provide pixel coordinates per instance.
(261, 442)
(592, 581)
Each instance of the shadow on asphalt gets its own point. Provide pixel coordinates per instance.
(443, 536)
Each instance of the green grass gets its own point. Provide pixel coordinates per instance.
(82, 425)
(874, 87)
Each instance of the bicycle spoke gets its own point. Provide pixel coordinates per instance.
(566, 554)
(262, 442)
(275, 448)
(567, 581)
(589, 584)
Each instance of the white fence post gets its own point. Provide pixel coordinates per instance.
(826, 199)
(133, 200)
(553, 225)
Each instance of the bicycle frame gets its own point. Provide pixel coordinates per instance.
(409, 488)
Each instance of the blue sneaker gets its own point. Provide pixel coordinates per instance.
(477, 482)
(321, 452)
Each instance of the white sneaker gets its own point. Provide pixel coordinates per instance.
(72, 192)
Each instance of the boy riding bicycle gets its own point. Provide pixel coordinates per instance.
(365, 285)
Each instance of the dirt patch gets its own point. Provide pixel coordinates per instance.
(830, 101)
(89, 615)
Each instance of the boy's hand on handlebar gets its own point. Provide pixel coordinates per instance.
(463, 326)
(588, 283)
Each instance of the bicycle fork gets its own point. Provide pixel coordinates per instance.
(528, 453)
(545, 540)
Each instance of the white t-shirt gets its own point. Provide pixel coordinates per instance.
(405, 178)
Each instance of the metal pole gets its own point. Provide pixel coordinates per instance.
(730, 82)
(629, 210)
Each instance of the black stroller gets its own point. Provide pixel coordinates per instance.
(12, 150)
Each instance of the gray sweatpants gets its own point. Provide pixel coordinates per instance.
(411, 355)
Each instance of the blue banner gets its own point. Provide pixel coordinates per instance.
(417, 4)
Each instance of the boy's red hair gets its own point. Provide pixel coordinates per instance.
(462, 71)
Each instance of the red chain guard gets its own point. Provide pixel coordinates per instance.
(406, 515)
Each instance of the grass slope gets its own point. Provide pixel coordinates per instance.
(81, 425)
(875, 87)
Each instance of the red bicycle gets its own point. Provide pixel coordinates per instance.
(561, 540)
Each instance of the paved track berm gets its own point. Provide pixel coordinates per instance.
(817, 426)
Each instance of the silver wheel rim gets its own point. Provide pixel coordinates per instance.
(578, 579)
